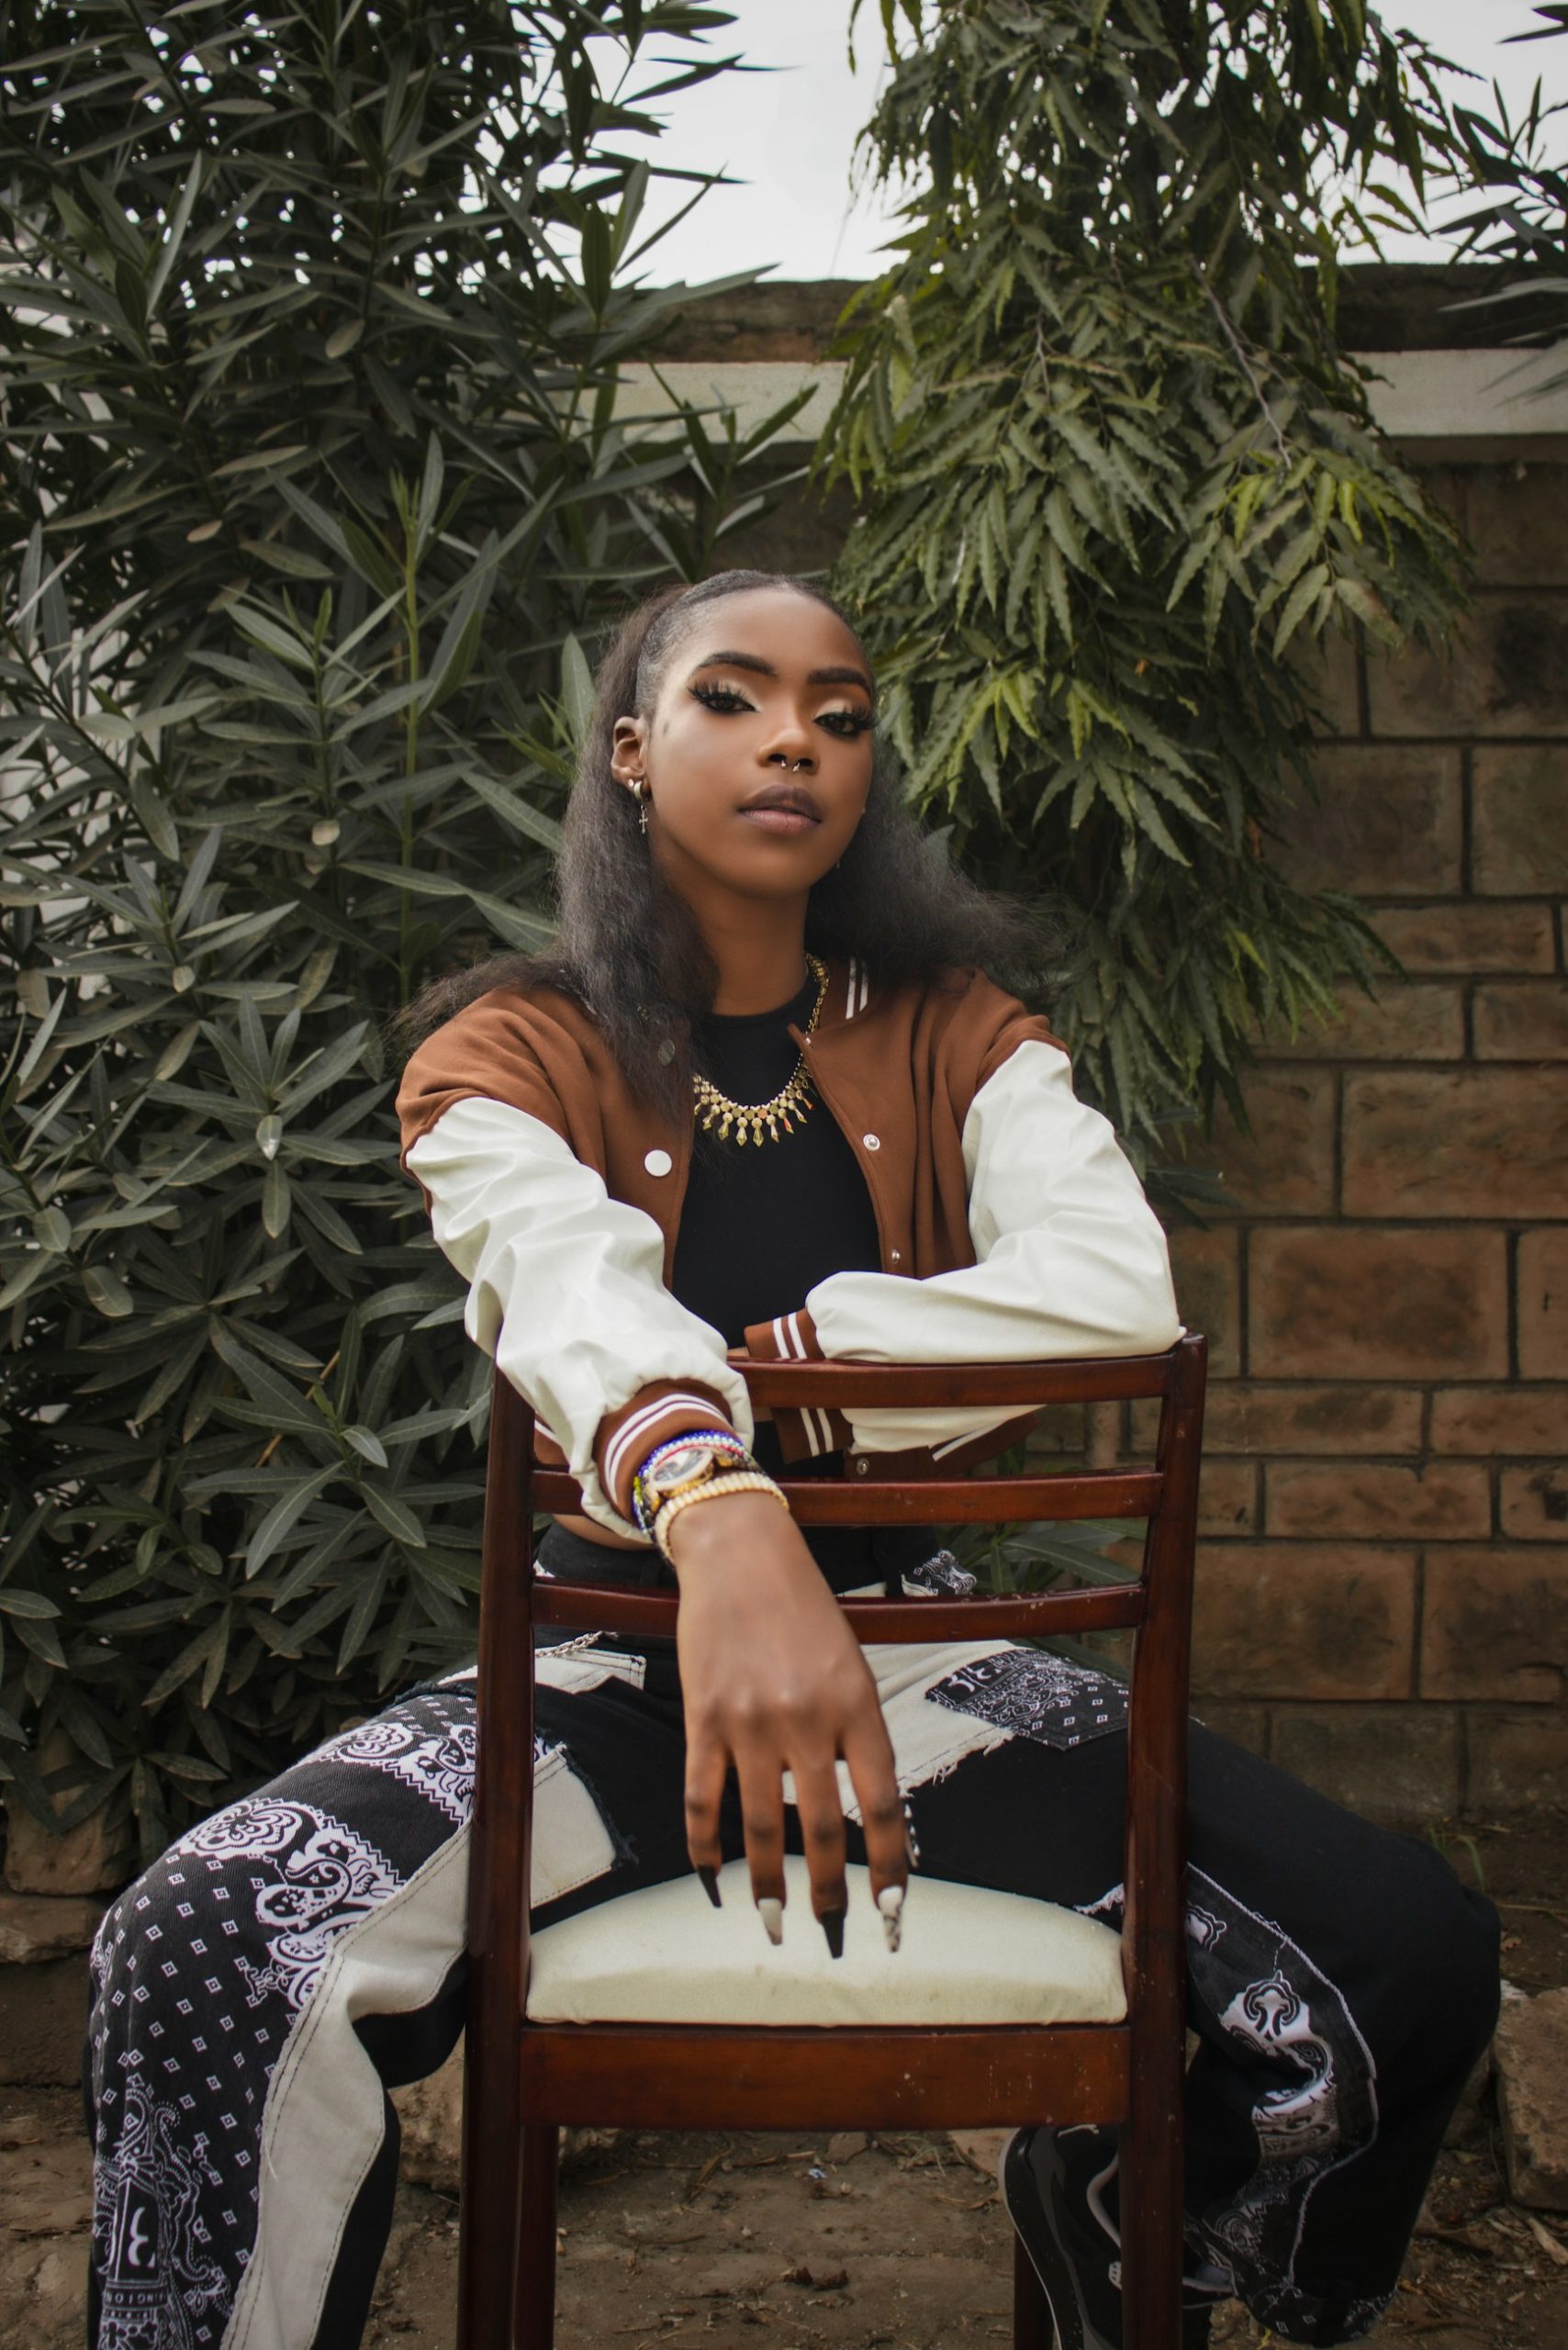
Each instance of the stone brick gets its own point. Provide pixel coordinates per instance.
(1285, 1165)
(1227, 1498)
(1474, 1142)
(1494, 1624)
(1518, 1760)
(1522, 1020)
(88, 1858)
(1244, 1725)
(1543, 1278)
(1377, 1302)
(1532, 1503)
(1514, 516)
(1500, 1419)
(1519, 798)
(1506, 673)
(1059, 1431)
(1369, 1499)
(1532, 2098)
(36, 1926)
(1388, 820)
(1330, 671)
(1468, 936)
(1390, 1762)
(1303, 1619)
(1402, 1020)
(1206, 1266)
(1243, 1417)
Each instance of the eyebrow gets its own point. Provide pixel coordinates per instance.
(753, 661)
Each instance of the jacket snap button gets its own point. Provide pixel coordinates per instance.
(658, 1162)
(895, 1256)
(872, 1142)
(862, 1468)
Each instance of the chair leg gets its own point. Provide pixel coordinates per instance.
(1151, 2238)
(533, 2308)
(487, 2214)
(1032, 2327)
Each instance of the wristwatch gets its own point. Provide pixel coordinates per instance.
(680, 1466)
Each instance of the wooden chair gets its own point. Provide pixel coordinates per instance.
(525, 2077)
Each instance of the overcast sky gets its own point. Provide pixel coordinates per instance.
(789, 135)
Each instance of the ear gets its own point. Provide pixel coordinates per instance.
(629, 750)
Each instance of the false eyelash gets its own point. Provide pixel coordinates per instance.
(725, 699)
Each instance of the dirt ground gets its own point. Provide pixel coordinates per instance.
(832, 2242)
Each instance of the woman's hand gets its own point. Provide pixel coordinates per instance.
(774, 1681)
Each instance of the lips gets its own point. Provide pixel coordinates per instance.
(782, 808)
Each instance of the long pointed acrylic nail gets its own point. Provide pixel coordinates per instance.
(889, 1901)
(771, 1912)
(708, 1880)
(831, 1923)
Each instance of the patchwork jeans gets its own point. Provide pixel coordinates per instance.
(282, 1966)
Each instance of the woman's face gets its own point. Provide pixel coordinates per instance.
(756, 756)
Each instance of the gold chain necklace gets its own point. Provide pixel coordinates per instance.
(792, 1101)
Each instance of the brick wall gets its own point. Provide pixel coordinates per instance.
(1383, 1596)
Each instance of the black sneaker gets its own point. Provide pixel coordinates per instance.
(1059, 2189)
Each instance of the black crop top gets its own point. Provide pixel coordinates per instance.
(762, 1223)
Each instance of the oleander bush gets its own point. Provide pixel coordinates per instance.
(314, 481)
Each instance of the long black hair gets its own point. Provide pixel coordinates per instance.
(627, 948)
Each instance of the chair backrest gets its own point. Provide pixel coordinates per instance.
(1155, 1606)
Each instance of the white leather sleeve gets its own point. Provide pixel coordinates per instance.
(566, 1284)
(1071, 1257)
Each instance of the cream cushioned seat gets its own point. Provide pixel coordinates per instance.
(664, 1955)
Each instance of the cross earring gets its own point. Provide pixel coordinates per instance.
(641, 795)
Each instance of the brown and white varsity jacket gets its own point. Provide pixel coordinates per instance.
(1011, 1227)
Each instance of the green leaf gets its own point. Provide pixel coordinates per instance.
(283, 1517)
(106, 1291)
(576, 690)
(394, 1514)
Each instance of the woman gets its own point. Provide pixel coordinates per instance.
(762, 1100)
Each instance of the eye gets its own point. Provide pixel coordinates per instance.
(847, 724)
(722, 699)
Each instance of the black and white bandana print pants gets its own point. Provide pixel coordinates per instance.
(259, 1988)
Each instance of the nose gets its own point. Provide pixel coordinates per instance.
(789, 745)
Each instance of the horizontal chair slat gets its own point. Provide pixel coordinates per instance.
(962, 1385)
(670, 2076)
(1042, 1615)
(966, 1501)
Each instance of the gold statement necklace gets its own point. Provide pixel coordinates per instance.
(791, 1103)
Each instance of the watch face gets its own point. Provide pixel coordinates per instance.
(679, 1468)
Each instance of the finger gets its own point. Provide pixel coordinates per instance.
(821, 1808)
(706, 1766)
(762, 1820)
(868, 1749)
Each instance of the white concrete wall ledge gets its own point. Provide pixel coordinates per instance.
(1422, 395)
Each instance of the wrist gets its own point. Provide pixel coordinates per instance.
(724, 1530)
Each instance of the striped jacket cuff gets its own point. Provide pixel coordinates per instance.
(804, 1433)
(664, 1408)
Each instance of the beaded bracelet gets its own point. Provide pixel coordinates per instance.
(738, 1480)
(718, 1440)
